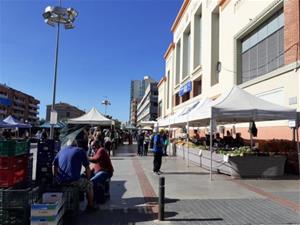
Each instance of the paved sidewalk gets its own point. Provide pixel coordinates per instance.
(191, 198)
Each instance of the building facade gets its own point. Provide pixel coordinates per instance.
(64, 111)
(137, 91)
(22, 106)
(218, 44)
(147, 109)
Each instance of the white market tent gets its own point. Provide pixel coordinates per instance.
(238, 105)
(93, 117)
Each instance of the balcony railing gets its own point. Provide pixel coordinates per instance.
(3, 96)
(34, 111)
(18, 107)
(34, 106)
(19, 101)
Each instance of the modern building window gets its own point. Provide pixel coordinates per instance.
(197, 87)
(160, 108)
(185, 97)
(263, 48)
(178, 67)
(186, 53)
(197, 37)
(168, 89)
(215, 40)
(177, 99)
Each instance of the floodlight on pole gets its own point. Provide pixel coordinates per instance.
(106, 102)
(56, 15)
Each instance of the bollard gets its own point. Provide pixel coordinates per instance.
(161, 200)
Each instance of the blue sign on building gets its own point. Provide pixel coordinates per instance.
(185, 88)
(5, 101)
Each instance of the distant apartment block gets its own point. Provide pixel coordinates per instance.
(20, 105)
(137, 91)
(147, 108)
(64, 111)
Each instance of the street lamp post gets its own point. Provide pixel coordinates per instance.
(57, 15)
(106, 102)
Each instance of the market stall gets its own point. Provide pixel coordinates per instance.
(93, 117)
(236, 106)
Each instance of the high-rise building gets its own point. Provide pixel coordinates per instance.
(18, 104)
(137, 91)
(64, 111)
(147, 108)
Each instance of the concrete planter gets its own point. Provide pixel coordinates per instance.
(237, 167)
(257, 166)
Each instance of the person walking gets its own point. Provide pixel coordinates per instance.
(140, 140)
(158, 145)
(146, 143)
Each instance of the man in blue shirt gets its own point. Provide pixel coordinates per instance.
(67, 169)
(158, 145)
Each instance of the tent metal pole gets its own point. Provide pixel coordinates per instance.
(169, 147)
(210, 148)
(188, 148)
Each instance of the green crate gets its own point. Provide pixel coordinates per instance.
(21, 147)
(7, 147)
(13, 147)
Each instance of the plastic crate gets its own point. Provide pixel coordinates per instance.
(45, 156)
(18, 198)
(7, 147)
(13, 162)
(10, 177)
(22, 147)
(14, 217)
(71, 198)
(13, 147)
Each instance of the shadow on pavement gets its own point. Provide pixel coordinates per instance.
(196, 219)
(186, 173)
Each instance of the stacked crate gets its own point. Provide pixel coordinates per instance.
(46, 152)
(13, 162)
(49, 211)
(15, 205)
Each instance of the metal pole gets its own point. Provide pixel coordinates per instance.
(161, 200)
(55, 77)
(188, 148)
(210, 147)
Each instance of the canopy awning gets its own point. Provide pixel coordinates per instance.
(14, 123)
(93, 117)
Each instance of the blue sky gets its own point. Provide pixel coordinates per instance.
(114, 41)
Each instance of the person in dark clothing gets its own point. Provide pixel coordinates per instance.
(158, 152)
(141, 139)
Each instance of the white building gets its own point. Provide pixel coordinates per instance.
(217, 44)
(147, 108)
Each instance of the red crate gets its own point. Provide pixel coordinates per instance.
(12, 162)
(10, 177)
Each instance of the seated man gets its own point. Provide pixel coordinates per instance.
(102, 166)
(67, 168)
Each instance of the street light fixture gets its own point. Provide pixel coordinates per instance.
(58, 15)
(105, 102)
